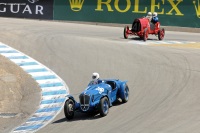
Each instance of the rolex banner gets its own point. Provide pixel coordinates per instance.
(183, 13)
(38, 9)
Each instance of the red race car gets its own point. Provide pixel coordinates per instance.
(142, 27)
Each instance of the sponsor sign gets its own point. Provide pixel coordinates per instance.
(184, 13)
(38, 9)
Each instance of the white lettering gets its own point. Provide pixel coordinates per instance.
(4, 9)
(21, 8)
(12, 8)
(101, 90)
(27, 9)
(33, 1)
(39, 9)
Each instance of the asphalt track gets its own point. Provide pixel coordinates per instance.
(163, 81)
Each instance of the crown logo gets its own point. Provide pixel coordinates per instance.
(197, 8)
(76, 5)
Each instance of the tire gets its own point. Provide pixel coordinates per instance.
(145, 34)
(126, 94)
(69, 109)
(125, 32)
(104, 106)
(161, 34)
(141, 37)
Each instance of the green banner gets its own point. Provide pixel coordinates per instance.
(183, 13)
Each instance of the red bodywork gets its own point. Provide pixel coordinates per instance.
(142, 27)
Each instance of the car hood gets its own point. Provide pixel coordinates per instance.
(96, 89)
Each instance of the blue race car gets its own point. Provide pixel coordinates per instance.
(97, 98)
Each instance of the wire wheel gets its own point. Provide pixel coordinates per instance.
(161, 34)
(145, 34)
(126, 28)
(126, 94)
(104, 106)
(69, 109)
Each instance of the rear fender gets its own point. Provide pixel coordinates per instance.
(157, 28)
(122, 88)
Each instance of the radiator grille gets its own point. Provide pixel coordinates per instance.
(84, 102)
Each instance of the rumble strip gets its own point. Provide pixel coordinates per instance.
(54, 90)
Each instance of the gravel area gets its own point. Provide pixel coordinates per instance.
(18, 90)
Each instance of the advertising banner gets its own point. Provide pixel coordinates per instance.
(183, 13)
(38, 9)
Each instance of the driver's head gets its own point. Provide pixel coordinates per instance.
(155, 14)
(95, 76)
(149, 14)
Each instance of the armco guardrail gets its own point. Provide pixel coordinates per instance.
(182, 13)
(37, 9)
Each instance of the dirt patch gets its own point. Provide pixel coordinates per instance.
(19, 94)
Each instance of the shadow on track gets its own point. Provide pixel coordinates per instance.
(138, 38)
(79, 116)
(86, 116)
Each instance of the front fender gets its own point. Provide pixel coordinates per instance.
(77, 105)
(108, 96)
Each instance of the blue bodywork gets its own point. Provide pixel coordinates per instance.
(90, 98)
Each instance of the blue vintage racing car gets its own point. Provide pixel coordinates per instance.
(97, 98)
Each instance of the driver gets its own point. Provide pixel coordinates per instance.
(154, 18)
(95, 79)
(149, 16)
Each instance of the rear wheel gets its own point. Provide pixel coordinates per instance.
(126, 94)
(145, 34)
(126, 28)
(104, 106)
(161, 34)
(69, 109)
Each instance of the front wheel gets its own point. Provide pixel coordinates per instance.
(125, 94)
(104, 106)
(69, 109)
(126, 28)
(161, 34)
(145, 34)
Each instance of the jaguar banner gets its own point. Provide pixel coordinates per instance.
(183, 13)
(38, 9)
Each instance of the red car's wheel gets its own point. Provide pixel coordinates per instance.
(126, 28)
(145, 34)
(161, 34)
